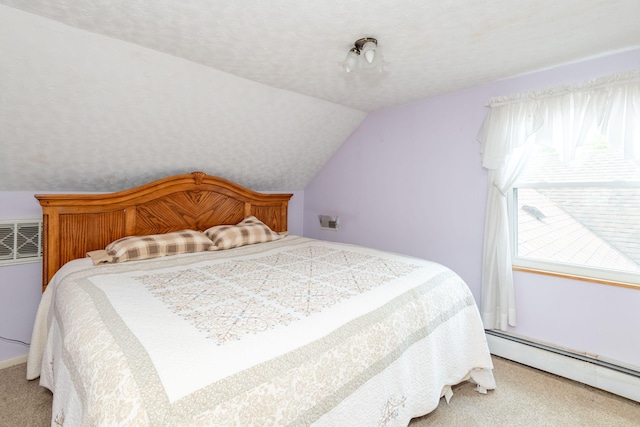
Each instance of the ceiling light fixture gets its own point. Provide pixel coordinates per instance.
(365, 54)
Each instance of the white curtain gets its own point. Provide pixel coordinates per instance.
(560, 118)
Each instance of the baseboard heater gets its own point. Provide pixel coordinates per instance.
(607, 376)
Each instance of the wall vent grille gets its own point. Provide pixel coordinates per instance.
(20, 241)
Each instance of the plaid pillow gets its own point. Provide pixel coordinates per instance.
(156, 245)
(247, 232)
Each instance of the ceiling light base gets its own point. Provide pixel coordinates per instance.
(359, 44)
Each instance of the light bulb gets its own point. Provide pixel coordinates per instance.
(369, 50)
(351, 61)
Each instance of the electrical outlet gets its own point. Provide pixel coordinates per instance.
(328, 222)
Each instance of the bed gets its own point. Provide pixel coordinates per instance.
(285, 331)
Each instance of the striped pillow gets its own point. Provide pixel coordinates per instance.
(132, 248)
(247, 232)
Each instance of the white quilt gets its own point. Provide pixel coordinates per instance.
(291, 332)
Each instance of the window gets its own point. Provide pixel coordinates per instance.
(577, 216)
(580, 217)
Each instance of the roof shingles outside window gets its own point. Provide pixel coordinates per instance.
(595, 226)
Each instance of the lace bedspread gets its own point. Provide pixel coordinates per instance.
(292, 332)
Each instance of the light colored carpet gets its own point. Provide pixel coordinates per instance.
(23, 403)
(529, 397)
(524, 397)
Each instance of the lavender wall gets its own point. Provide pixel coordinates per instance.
(409, 180)
(21, 285)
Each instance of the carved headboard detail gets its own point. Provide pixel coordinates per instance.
(74, 224)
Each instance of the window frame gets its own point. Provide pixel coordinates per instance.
(566, 270)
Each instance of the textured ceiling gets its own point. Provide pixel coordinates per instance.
(433, 46)
(103, 95)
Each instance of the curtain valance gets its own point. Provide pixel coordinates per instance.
(562, 117)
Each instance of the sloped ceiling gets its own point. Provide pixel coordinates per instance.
(127, 91)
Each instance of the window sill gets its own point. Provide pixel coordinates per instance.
(577, 277)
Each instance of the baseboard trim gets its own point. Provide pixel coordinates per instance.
(12, 362)
(602, 377)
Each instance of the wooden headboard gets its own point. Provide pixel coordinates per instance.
(74, 224)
